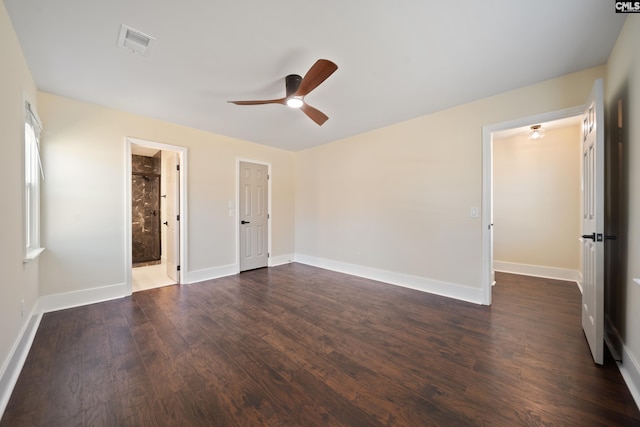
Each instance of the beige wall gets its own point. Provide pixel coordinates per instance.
(84, 194)
(623, 82)
(19, 281)
(536, 199)
(398, 198)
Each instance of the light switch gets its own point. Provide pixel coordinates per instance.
(474, 212)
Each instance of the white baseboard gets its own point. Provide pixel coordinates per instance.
(629, 366)
(65, 300)
(211, 273)
(16, 358)
(281, 260)
(229, 270)
(451, 290)
(538, 271)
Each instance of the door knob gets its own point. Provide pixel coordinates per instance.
(245, 222)
(589, 236)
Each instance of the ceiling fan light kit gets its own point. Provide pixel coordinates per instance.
(298, 87)
(294, 102)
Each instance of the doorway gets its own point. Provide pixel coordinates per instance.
(537, 200)
(592, 212)
(488, 134)
(155, 206)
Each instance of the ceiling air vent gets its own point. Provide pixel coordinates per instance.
(135, 41)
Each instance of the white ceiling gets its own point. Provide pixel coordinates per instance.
(397, 59)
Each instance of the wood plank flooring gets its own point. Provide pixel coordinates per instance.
(300, 346)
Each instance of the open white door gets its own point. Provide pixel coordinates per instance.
(173, 217)
(593, 222)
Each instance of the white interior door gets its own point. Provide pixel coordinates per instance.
(253, 216)
(173, 216)
(593, 222)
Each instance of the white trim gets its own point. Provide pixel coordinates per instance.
(487, 214)
(12, 366)
(62, 301)
(450, 290)
(630, 370)
(538, 271)
(237, 217)
(627, 363)
(32, 255)
(182, 155)
(637, 281)
(211, 273)
(281, 260)
(487, 183)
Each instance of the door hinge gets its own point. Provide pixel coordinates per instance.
(178, 268)
(177, 167)
(268, 177)
(268, 216)
(177, 217)
(268, 255)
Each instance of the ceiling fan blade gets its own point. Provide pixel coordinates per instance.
(314, 114)
(318, 73)
(266, 101)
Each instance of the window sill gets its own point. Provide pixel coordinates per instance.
(32, 255)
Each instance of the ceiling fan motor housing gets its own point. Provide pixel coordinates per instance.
(292, 82)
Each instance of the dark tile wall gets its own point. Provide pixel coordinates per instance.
(144, 164)
(145, 215)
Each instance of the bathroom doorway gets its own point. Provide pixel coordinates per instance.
(155, 207)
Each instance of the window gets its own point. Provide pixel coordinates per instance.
(32, 173)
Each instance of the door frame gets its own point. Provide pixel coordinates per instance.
(487, 184)
(236, 213)
(182, 154)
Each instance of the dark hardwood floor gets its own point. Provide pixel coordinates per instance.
(300, 346)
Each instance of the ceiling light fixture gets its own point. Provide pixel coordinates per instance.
(295, 102)
(536, 132)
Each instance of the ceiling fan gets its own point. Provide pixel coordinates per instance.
(297, 88)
